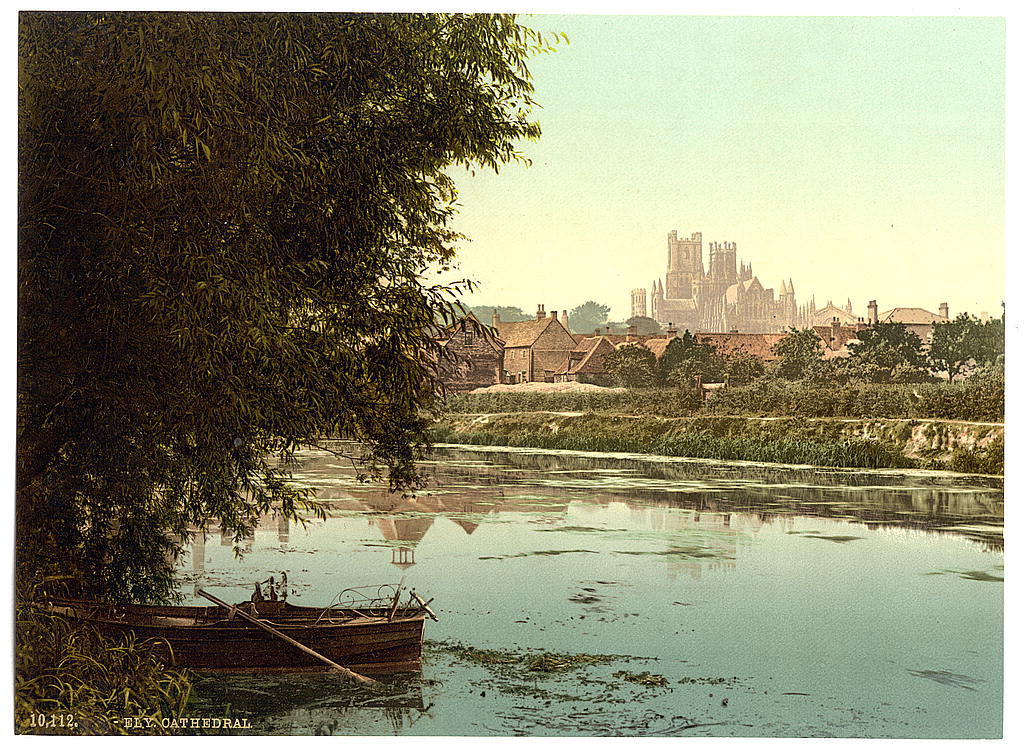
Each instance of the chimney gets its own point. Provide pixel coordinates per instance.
(565, 319)
(597, 331)
(672, 332)
(834, 338)
(541, 314)
(631, 333)
(872, 312)
(554, 314)
(495, 319)
(607, 330)
(944, 311)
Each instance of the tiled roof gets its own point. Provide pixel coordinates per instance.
(681, 304)
(580, 354)
(910, 316)
(657, 345)
(615, 338)
(522, 333)
(488, 333)
(754, 344)
(593, 361)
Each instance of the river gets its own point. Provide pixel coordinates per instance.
(619, 594)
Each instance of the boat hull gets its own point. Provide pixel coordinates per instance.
(202, 638)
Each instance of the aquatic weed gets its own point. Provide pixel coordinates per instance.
(644, 677)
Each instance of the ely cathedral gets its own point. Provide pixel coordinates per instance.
(725, 298)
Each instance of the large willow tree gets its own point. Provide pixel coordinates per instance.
(224, 224)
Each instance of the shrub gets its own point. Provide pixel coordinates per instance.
(987, 460)
(980, 398)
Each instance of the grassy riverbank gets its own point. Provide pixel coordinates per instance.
(71, 680)
(870, 443)
(979, 400)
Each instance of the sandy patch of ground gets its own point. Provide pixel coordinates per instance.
(547, 388)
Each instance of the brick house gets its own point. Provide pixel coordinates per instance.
(836, 336)
(472, 356)
(535, 349)
(586, 361)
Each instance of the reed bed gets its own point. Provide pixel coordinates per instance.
(786, 442)
(71, 680)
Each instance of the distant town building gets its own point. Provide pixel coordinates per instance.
(727, 296)
(915, 319)
(471, 356)
(535, 349)
(638, 303)
(726, 307)
(760, 345)
(830, 312)
(585, 362)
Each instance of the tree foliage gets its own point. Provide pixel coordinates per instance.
(632, 366)
(645, 326)
(800, 354)
(954, 345)
(588, 316)
(966, 342)
(685, 359)
(224, 223)
(485, 313)
(742, 369)
(888, 352)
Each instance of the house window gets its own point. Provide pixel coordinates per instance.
(468, 337)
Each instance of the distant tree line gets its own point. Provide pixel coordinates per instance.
(883, 353)
(584, 318)
(684, 362)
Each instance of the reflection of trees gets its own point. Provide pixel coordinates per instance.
(478, 483)
(878, 499)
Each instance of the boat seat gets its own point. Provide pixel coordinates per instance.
(172, 621)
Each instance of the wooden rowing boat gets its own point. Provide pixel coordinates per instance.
(378, 637)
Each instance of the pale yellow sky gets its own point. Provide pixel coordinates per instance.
(861, 157)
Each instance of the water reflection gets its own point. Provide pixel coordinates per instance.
(781, 589)
(312, 703)
(717, 503)
(464, 480)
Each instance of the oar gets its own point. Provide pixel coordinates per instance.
(425, 606)
(294, 643)
(394, 603)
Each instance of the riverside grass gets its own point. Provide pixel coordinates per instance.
(785, 441)
(75, 675)
(980, 400)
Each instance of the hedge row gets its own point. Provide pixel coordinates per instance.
(980, 400)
